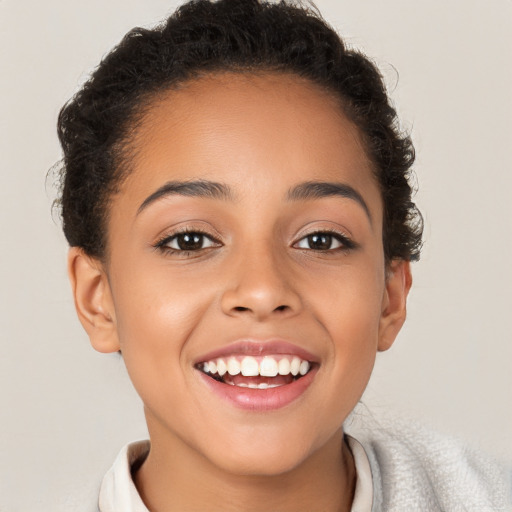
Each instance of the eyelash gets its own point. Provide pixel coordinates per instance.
(162, 244)
(346, 243)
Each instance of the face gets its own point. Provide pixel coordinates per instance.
(248, 240)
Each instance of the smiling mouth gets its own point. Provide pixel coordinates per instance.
(265, 372)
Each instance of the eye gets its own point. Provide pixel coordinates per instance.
(324, 241)
(187, 241)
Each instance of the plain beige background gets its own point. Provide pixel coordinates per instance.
(66, 410)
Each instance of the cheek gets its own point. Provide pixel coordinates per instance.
(350, 310)
(349, 301)
(155, 323)
(155, 316)
(155, 300)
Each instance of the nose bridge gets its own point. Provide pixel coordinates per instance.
(260, 283)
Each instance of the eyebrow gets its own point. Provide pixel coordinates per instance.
(197, 188)
(214, 190)
(320, 189)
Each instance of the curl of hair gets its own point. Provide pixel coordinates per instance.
(95, 127)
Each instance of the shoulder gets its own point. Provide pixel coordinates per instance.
(414, 468)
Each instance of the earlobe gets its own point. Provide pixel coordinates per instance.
(394, 303)
(93, 300)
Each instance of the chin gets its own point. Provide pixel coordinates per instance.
(264, 453)
(263, 464)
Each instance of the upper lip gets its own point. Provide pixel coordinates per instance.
(252, 347)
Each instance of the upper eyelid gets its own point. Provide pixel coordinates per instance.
(324, 225)
(335, 232)
(163, 239)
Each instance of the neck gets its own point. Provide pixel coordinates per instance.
(175, 477)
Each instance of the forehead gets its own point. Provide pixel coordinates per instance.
(248, 130)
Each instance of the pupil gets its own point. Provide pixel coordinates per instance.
(321, 242)
(190, 241)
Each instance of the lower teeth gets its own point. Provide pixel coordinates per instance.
(253, 385)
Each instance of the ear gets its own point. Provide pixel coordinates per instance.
(93, 300)
(394, 302)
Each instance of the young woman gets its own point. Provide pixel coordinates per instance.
(236, 198)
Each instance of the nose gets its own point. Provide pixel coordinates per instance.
(260, 286)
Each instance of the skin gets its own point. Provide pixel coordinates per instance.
(261, 135)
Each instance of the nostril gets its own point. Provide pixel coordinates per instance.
(240, 308)
(281, 308)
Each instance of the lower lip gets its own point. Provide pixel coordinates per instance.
(261, 399)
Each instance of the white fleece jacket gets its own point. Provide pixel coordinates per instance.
(416, 469)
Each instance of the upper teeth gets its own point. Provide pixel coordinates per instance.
(268, 366)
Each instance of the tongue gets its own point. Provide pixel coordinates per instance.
(278, 380)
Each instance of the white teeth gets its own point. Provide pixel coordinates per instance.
(268, 367)
(221, 367)
(295, 366)
(253, 385)
(284, 367)
(233, 366)
(249, 367)
(304, 368)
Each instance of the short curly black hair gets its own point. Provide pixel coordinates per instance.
(241, 36)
